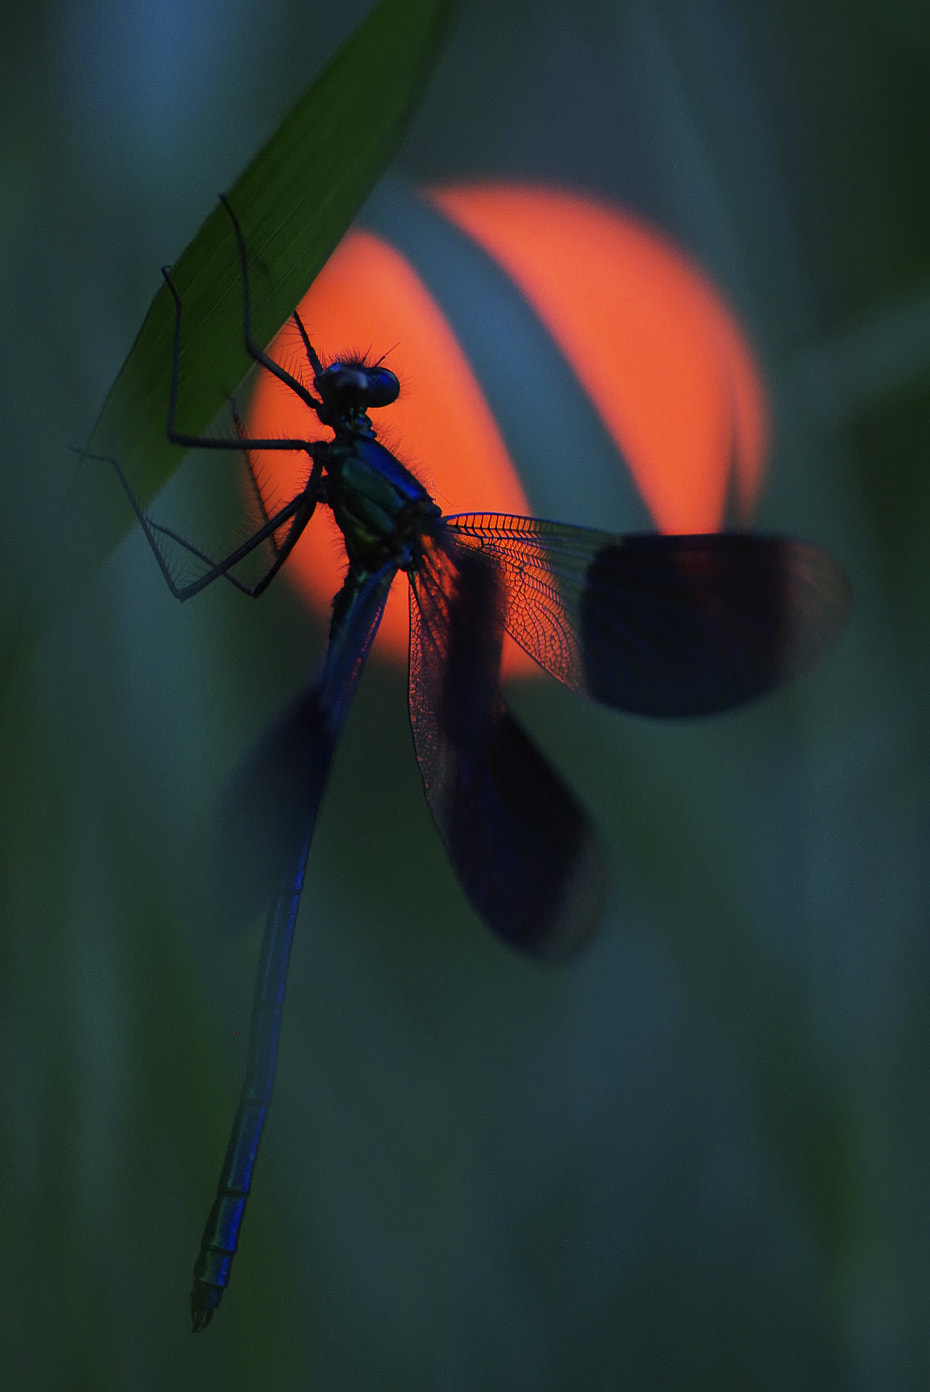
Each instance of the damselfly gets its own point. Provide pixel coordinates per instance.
(659, 625)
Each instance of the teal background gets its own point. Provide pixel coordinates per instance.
(699, 1156)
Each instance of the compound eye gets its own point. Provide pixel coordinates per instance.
(347, 385)
(341, 382)
(383, 386)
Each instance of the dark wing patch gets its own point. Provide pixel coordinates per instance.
(519, 842)
(662, 625)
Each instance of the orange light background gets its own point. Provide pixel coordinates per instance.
(652, 343)
(649, 338)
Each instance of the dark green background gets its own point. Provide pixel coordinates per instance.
(699, 1158)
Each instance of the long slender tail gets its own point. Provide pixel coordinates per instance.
(221, 1233)
(286, 777)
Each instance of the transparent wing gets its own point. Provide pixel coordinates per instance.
(519, 842)
(661, 625)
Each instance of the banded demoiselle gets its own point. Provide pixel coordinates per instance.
(659, 625)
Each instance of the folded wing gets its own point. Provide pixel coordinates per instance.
(520, 843)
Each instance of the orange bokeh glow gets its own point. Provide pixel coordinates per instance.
(648, 337)
(658, 353)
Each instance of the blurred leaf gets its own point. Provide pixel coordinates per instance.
(294, 202)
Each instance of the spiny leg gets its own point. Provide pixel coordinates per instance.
(253, 477)
(182, 438)
(298, 512)
(252, 348)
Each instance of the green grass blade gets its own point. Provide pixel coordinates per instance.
(294, 202)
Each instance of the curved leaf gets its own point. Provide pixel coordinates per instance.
(294, 202)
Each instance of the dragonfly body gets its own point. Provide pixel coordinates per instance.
(380, 508)
(659, 625)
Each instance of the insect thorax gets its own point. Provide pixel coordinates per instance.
(380, 508)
